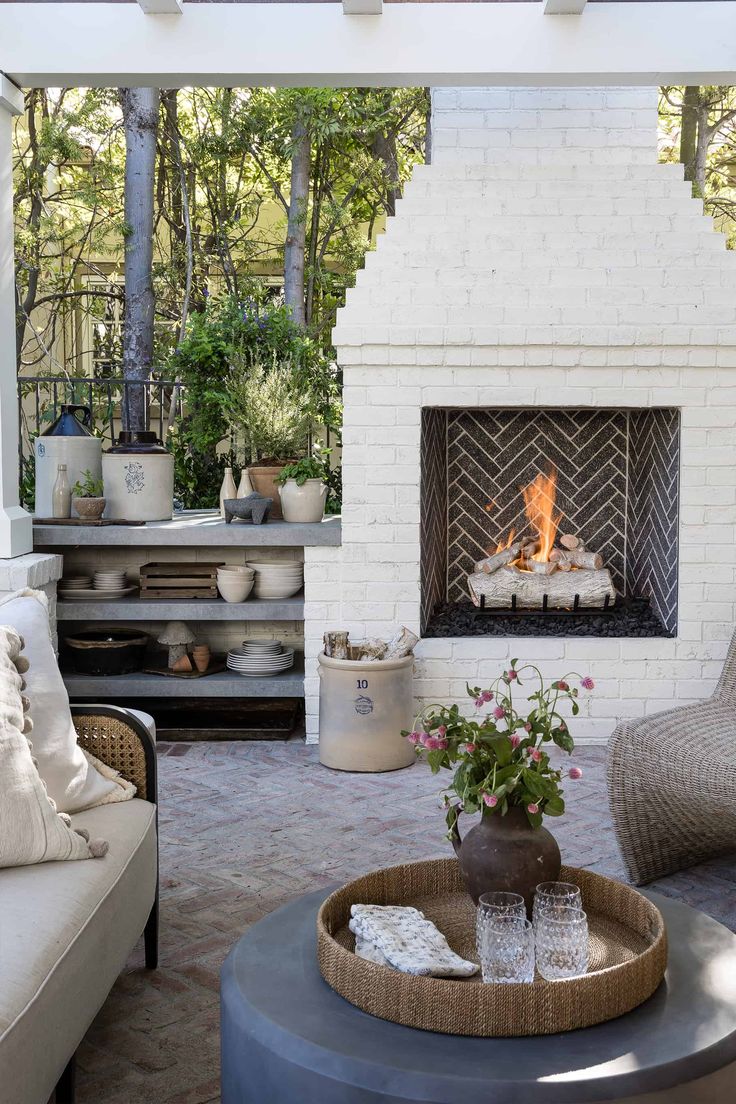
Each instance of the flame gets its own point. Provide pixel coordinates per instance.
(539, 503)
(503, 545)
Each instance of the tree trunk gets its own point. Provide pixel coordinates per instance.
(705, 136)
(428, 130)
(689, 129)
(140, 117)
(383, 148)
(296, 226)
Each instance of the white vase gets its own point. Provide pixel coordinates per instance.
(245, 487)
(305, 504)
(227, 490)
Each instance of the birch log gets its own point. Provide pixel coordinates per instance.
(592, 561)
(498, 559)
(530, 589)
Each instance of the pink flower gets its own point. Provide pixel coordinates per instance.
(479, 703)
(536, 755)
(532, 807)
(499, 712)
(414, 737)
(432, 743)
(511, 674)
(587, 683)
(528, 727)
(424, 738)
(487, 696)
(515, 741)
(490, 800)
(561, 685)
(441, 744)
(442, 730)
(470, 748)
(575, 773)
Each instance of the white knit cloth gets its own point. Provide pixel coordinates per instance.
(403, 938)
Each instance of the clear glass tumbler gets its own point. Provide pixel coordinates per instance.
(549, 895)
(506, 949)
(561, 942)
(497, 903)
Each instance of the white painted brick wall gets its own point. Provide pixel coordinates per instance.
(544, 259)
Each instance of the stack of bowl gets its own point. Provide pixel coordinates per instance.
(67, 586)
(278, 580)
(112, 580)
(235, 581)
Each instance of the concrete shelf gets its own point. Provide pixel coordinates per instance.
(222, 685)
(182, 609)
(189, 529)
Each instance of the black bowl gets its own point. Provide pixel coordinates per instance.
(107, 651)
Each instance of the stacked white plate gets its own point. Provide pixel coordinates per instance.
(110, 579)
(74, 582)
(278, 580)
(257, 658)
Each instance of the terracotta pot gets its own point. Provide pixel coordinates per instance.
(506, 853)
(263, 480)
(91, 508)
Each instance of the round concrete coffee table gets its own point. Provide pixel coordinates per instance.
(287, 1038)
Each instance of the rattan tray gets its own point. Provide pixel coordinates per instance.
(628, 956)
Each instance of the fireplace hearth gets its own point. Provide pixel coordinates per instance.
(549, 522)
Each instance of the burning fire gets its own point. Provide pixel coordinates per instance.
(539, 504)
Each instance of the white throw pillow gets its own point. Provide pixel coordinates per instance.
(72, 781)
(31, 831)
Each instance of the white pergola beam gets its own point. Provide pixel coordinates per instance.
(412, 44)
(160, 7)
(362, 7)
(562, 7)
(16, 536)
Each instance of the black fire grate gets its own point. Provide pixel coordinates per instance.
(608, 609)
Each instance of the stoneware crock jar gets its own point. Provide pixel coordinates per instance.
(305, 504)
(68, 441)
(506, 853)
(138, 473)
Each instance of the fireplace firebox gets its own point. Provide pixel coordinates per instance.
(549, 522)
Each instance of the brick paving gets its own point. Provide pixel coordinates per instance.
(244, 828)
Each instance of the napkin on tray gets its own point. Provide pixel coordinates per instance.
(403, 938)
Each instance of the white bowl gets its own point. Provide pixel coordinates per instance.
(234, 590)
(235, 569)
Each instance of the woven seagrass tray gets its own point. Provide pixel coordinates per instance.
(628, 956)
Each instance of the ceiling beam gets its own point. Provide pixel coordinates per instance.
(414, 44)
(160, 7)
(562, 7)
(362, 7)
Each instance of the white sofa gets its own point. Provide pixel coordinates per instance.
(67, 928)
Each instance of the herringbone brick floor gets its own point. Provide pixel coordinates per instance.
(244, 828)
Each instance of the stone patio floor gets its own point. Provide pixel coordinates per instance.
(244, 828)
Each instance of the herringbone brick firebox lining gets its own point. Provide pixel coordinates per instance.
(247, 827)
(618, 488)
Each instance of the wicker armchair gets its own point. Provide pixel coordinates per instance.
(672, 783)
(117, 738)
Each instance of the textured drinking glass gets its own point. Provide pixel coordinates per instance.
(506, 949)
(497, 903)
(549, 895)
(561, 942)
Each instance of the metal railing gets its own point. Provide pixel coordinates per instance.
(110, 399)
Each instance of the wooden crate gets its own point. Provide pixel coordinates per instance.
(179, 580)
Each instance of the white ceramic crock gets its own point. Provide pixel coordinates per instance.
(305, 504)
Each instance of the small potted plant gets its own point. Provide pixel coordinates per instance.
(502, 769)
(87, 497)
(303, 487)
(272, 415)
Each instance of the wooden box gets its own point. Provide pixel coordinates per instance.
(179, 580)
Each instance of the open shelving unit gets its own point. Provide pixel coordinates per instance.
(207, 535)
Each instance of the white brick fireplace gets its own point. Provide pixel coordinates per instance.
(543, 261)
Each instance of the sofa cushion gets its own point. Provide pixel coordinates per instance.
(66, 932)
(31, 830)
(71, 779)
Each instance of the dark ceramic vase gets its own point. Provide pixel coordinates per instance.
(506, 853)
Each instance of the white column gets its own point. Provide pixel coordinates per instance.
(16, 536)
